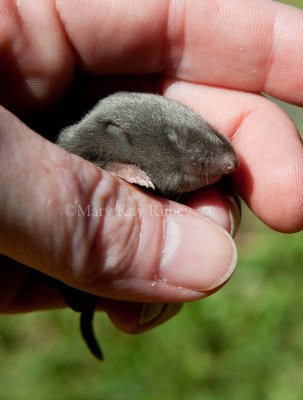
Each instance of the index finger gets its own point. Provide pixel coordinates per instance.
(236, 44)
(242, 44)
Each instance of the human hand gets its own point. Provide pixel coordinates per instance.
(212, 66)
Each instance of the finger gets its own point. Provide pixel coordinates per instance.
(270, 176)
(23, 291)
(65, 217)
(219, 204)
(37, 61)
(133, 318)
(239, 44)
(236, 44)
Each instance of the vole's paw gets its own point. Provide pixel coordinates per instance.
(130, 173)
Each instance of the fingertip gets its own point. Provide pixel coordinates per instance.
(197, 254)
(134, 318)
(222, 208)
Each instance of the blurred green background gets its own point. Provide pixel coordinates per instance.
(245, 342)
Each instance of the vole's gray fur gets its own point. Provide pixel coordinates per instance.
(174, 146)
(152, 141)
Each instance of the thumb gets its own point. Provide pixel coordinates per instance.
(69, 219)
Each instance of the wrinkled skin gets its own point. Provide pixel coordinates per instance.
(219, 68)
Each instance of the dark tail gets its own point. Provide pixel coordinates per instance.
(87, 330)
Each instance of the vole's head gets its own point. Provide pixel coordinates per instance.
(175, 148)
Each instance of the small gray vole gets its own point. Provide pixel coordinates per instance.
(154, 142)
(177, 151)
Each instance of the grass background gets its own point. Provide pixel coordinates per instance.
(245, 342)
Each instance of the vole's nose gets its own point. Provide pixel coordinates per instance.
(229, 163)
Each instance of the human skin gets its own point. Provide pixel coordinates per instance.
(214, 56)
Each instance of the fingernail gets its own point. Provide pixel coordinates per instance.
(234, 214)
(156, 313)
(150, 312)
(197, 255)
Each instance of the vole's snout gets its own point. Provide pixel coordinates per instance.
(229, 163)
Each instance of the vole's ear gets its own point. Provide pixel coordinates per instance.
(130, 173)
